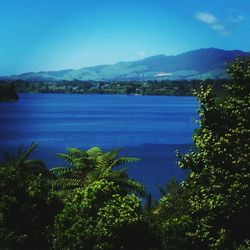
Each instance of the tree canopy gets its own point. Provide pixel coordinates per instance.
(217, 192)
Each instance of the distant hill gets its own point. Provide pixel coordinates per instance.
(198, 64)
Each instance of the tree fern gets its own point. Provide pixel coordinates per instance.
(24, 164)
(91, 165)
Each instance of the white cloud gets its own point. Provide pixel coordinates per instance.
(221, 29)
(206, 17)
(218, 27)
(236, 19)
(214, 23)
(224, 27)
(141, 53)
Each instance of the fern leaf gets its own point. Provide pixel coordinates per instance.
(61, 170)
(24, 155)
(67, 183)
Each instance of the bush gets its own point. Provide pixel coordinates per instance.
(27, 204)
(99, 217)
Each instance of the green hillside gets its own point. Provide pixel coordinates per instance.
(197, 64)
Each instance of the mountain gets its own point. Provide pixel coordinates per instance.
(197, 64)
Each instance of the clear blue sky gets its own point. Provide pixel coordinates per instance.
(40, 35)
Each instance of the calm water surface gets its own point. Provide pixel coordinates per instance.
(148, 127)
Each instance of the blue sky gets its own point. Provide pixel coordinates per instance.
(60, 34)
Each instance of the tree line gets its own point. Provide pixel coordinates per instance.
(164, 87)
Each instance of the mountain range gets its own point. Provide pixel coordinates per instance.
(197, 64)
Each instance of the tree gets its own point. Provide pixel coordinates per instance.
(218, 188)
(88, 166)
(171, 219)
(101, 216)
(27, 205)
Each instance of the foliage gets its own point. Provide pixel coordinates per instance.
(171, 218)
(244, 246)
(94, 164)
(217, 190)
(99, 213)
(99, 217)
(27, 206)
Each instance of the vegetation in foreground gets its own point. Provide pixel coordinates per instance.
(92, 204)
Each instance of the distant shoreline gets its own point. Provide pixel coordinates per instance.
(118, 94)
(166, 88)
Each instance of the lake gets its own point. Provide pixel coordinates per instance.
(148, 127)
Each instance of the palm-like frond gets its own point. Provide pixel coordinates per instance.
(35, 163)
(66, 157)
(76, 151)
(106, 159)
(132, 186)
(120, 173)
(24, 164)
(94, 152)
(94, 164)
(59, 171)
(67, 183)
(73, 154)
(23, 155)
(123, 160)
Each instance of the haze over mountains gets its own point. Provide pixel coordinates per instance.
(198, 64)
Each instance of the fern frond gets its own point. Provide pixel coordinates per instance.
(58, 171)
(94, 164)
(25, 154)
(136, 187)
(129, 159)
(67, 183)
(133, 186)
(77, 153)
(124, 160)
(66, 157)
(118, 174)
(104, 161)
(33, 162)
(94, 152)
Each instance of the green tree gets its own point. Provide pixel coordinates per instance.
(27, 206)
(100, 216)
(171, 218)
(217, 192)
(88, 166)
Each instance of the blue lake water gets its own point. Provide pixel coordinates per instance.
(148, 127)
